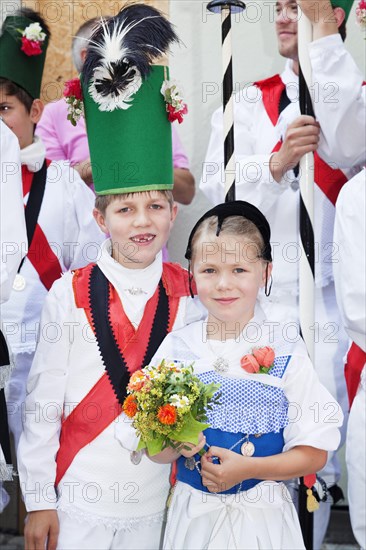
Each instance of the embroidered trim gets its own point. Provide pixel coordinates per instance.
(126, 524)
(5, 372)
(6, 471)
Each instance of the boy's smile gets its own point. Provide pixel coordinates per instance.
(139, 225)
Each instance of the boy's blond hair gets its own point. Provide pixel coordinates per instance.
(103, 201)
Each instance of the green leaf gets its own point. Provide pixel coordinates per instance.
(189, 431)
(155, 445)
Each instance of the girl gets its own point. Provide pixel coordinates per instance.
(275, 420)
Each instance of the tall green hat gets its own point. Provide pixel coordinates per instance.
(346, 5)
(23, 46)
(126, 113)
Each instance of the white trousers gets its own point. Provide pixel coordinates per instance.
(356, 464)
(79, 535)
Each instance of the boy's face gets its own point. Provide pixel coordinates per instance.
(17, 118)
(139, 226)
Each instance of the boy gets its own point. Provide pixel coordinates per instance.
(58, 204)
(13, 246)
(119, 311)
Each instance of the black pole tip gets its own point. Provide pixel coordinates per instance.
(217, 5)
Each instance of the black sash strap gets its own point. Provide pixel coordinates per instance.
(284, 102)
(4, 428)
(114, 362)
(34, 204)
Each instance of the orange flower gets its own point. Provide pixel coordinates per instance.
(137, 381)
(130, 406)
(249, 363)
(167, 414)
(265, 356)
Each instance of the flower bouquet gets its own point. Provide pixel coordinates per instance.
(168, 405)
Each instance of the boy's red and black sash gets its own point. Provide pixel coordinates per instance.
(40, 253)
(123, 349)
(328, 179)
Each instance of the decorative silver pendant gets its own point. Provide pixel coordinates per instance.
(221, 365)
(134, 291)
(247, 449)
(136, 457)
(190, 463)
(19, 283)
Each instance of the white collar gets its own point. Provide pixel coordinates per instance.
(124, 279)
(291, 80)
(33, 155)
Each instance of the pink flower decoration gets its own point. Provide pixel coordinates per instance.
(249, 363)
(265, 356)
(31, 47)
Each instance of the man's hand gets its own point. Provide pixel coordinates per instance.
(302, 137)
(324, 18)
(41, 530)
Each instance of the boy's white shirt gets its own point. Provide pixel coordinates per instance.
(62, 374)
(122, 279)
(66, 220)
(12, 222)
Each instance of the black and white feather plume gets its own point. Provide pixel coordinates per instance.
(120, 54)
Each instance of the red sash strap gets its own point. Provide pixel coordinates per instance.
(40, 253)
(78, 429)
(328, 179)
(356, 359)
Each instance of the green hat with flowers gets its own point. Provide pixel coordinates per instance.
(23, 45)
(128, 102)
(346, 5)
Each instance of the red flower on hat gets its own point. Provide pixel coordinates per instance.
(361, 14)
(261, 360)
(173, 114)
(31, 47)
(32, 39)
(175, 106)
(73, 95)
(73, 89)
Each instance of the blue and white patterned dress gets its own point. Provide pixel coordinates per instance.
(275, 411)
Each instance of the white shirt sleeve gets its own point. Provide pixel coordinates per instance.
(12, 222)
(350, 267)
(252, 172)
(44, 404)
(339, 102)
(314, 415)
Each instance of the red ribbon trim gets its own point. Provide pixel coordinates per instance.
(40, 253)
(78, 429)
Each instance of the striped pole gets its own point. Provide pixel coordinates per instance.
(227, 7)
(307, 263)
(307, 259)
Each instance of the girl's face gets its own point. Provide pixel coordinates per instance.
(228, 275)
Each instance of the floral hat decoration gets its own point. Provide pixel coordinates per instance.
(128, 101)
(23, 44)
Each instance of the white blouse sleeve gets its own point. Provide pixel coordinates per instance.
(44, 404)
(314, 415)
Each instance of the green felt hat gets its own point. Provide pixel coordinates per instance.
(131, 149)
(346, 5)
(24, 69)
(126, 112)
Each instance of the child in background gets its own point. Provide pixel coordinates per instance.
(275, 420)
(62, 233)
(82, 486)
